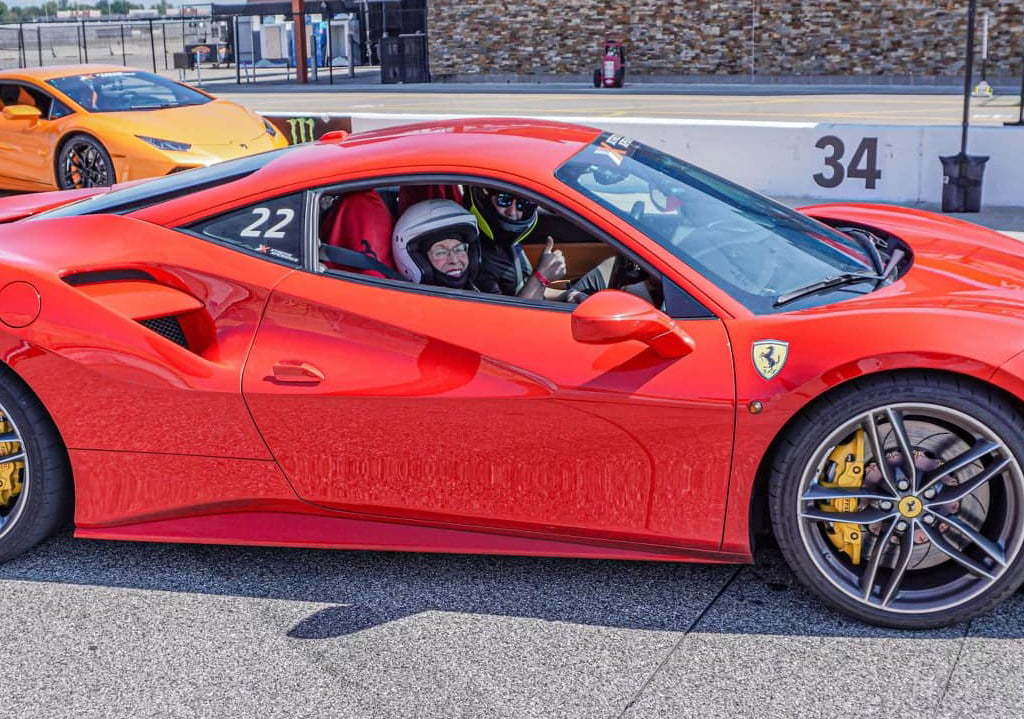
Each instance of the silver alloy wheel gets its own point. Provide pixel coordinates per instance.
(941, 516)
(13, 468)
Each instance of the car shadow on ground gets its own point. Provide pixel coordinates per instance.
(368, 589)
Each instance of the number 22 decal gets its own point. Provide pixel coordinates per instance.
(863, 165)
(276, 232)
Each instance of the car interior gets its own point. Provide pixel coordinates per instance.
(15, 94)
(582, 250)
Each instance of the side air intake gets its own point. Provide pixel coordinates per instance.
(168, 327)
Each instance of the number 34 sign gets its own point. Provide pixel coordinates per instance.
(862, 164)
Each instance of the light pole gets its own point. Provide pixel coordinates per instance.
(972, 8)
(962, 174)
(753, 37)
(1020, 118)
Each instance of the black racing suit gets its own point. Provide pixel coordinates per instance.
(504, 266)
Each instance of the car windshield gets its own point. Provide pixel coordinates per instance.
(124, 91)
(765, 255)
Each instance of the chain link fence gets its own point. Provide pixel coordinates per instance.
(145, 44)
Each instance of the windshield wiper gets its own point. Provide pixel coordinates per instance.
(846, 278)
(894, 262)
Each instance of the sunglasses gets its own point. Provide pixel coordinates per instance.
(505, 199)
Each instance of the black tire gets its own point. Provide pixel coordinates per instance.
(83, 162)
(922, 543)
(37, 462)
(620, 77)
(597, 78)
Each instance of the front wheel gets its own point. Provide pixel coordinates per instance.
(900, 500)
(598, 80)
(83, 162)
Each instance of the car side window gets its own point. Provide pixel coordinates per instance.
(427, 224)
(272, 228)
(58, 109)
(16, 94)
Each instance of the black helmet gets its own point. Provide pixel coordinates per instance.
(420, 227)
(482, 201)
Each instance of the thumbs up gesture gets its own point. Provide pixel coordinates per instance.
(551, 263)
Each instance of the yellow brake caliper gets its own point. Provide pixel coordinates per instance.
(10, 472)
(848, 462)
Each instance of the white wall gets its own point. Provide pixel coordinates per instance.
(781, 158)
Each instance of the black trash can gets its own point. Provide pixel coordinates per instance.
(961, 182)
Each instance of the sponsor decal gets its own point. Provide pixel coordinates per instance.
(301, 129)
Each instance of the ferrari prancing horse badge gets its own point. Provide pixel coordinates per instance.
(769, 357)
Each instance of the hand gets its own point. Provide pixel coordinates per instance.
(575, 296)
(551, 263)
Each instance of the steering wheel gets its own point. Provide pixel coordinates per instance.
(732, 225)
(637, 211)
(625, 272)
(736, 254)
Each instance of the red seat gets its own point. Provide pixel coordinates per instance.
(409, 195)
(360, 221)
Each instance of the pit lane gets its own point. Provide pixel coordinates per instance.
(106, 629)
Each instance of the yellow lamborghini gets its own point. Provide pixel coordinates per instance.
(90, 125)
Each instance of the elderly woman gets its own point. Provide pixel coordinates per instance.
(435, 242)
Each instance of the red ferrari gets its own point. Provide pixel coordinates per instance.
(206, 357)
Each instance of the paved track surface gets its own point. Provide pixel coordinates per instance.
(856, 104)
(107, 630)
(849, 109)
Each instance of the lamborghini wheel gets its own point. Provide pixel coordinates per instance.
(83, 162)
(900, 500)
(34, 478)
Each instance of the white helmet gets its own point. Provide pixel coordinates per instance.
(425, 223)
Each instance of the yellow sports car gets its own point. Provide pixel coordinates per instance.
(90, 125)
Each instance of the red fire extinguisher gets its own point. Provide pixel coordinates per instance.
(612, 72)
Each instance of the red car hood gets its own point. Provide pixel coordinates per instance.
(956, 264)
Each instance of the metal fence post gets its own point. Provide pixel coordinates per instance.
(85, 43)
(39, 43)
(238, 54)
(152, 44)
(163, 35)
(21, 45)
(124, 51)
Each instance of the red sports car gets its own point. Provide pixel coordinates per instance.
(206, 357)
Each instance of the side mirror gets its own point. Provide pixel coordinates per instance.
(611, 316)
(21, 112)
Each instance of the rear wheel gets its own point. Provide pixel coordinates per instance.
(900, 500)
(83, 162)
(35, 487)
(597, 78)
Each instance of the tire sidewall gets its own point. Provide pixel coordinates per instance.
(45, 497)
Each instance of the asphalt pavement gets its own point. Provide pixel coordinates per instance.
(109, 629)
(870, 101)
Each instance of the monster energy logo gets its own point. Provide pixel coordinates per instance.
(301, 129)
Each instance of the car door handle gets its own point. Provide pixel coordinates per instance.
(297, 372)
